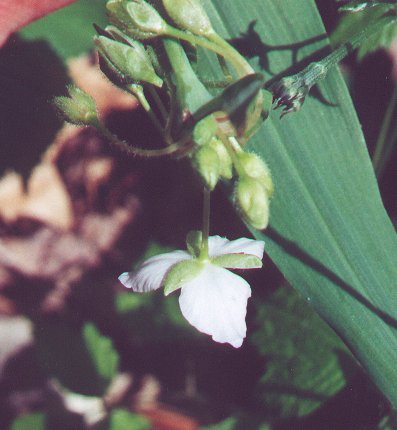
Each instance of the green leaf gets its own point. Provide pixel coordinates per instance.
(69, 30)
(389, 422)
(104, 356)
(350, 23)
(303, 369)
(329, 233)
(227, 424)
(69, 355)
(237, 261)
(35, 421)
(121, 419)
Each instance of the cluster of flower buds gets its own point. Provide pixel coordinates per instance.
(211, 134)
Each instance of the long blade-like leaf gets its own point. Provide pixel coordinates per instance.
(329, 233)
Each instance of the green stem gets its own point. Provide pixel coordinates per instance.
(133, 150)
(132, 89)
(317, 71)
(206, 224)
(378, 159)
(159, 102)
(217, 45)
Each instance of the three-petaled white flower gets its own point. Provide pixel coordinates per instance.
(212, 299)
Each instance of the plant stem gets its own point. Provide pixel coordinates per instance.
(378, 159)
(132, 89)
(159, 102)
(216, 44)
(317, 71)
(133, 150)
(206, 223)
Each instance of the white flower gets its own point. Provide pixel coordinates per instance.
(212, 299)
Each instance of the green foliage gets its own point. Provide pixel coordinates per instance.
(234, 423)
(329, 233)
(69, 30)
(389, 422)
(82, 361)
(351, 22)
(35, 421)
(227, 424)
(121, 419)
(303, 368)
(103, 355)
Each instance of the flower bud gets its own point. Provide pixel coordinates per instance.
(146, 18)
(130, 62)
(205, 130)
(206, 162)
(136, 17)
(254, 167)
(189, 15)
(79, 108)
(252, 200)
(225, 161)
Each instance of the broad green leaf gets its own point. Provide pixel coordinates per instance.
(103, 355)
(303, 369)
(121, 419)
(329, 233)
(35, 421)
(69, 30)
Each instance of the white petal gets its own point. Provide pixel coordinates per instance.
(216, 304)
(149, 276)
(219, 245)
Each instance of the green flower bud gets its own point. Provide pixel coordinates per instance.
(225, 161)
(146, 18)
(254, 167)
(136, 17)
(189, 15)
(130, 62)
(252, 200)
(205, 130)
(79, 108)
(206, 162)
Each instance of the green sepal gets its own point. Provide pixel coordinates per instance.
(237, 261)
(225, 161)
(194, 240)
(180, 273)
(205, 130)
